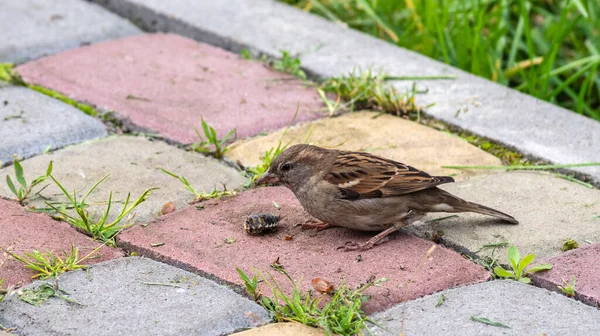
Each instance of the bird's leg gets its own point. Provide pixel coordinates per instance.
(315, 224)
(352, 246)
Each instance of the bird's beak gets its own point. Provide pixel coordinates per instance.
(268, 178)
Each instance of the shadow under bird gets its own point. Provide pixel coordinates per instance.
(363, 191)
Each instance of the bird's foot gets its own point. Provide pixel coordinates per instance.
(315, 224)
(369, 244)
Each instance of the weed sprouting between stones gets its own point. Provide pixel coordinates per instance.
(47, 264)
(341, 315)
(24, 190)
(206, 146)
(287, 63)
(519, 265)
(97, 227)
(200, 196)
(568, 288)
(366, 90)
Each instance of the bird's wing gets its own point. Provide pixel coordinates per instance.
(362, 175)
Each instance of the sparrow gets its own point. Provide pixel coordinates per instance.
(362, 191)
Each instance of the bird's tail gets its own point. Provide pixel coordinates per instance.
(482, 209)
(455, 204)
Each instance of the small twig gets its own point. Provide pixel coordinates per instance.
(161, 284)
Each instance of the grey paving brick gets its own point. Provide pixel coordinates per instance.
(532, 126)
(30, 122)
(35, 28)
(525, 309)
(549, 209)
(134, 296)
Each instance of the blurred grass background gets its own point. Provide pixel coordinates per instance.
(547, 48)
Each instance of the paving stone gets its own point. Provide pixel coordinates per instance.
(282, 329)
(166, 83)
(30, 122)
(23, 232)
(35, 28)
(581, 263)
(549, 209)
(327, 49)
(212, 240)
(384, 135)
(125, 296)
(133, 163)
(526, 309)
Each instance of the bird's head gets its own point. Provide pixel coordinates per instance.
(295, 166)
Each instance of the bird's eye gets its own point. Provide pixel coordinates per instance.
(286, 167)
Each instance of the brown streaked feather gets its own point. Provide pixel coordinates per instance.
(362, 175)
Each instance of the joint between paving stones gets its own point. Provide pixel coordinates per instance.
(143, 252)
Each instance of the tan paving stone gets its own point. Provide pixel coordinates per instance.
(282, 329)
(386, 135)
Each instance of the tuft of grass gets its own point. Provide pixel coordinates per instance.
(47, 264)
(548, 49)
(25, 189)
(37, 296)
(568, 288)
(200, 196)
(518, 265)
(97, 227)
(212, 145)
(367, 90)
(341, 315)
(288, 64)
(257, 171)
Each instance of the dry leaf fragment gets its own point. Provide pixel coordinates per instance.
(167, 208)
(322, 286)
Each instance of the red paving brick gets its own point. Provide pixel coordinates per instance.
(582, 263)
(165, 83)
(23, 232)
(196, 239)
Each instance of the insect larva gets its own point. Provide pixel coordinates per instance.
(261, 223)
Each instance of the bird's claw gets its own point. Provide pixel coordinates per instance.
(353, 246)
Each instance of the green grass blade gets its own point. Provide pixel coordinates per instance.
(19, 174)
(64, 191)
(49, 169)
(11, 186)
(94, 187)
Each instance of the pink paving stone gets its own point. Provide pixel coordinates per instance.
(196, 239)
(165, 83)
(23, 231)
(582, 263)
